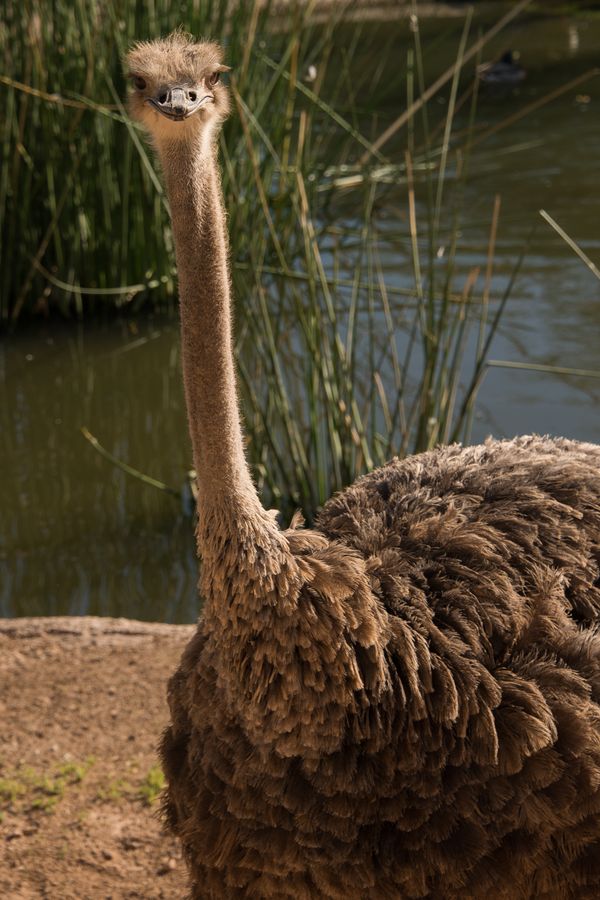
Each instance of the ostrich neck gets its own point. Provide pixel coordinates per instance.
(225, 487)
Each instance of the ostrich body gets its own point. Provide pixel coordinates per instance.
(403, 702)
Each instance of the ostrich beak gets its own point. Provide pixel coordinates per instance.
(179, 103)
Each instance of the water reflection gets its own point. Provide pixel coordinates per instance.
(79, 535)
(545, 160)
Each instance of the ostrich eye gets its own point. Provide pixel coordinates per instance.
(212, 79)
(139, 82)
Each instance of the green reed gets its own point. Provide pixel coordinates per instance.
(339, 368)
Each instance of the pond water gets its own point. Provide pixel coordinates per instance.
(78, 535)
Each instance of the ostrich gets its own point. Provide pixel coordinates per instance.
(405, 701)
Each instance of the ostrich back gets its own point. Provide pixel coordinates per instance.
(473, 770)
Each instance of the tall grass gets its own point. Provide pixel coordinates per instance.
(80, 204)
(339, 367)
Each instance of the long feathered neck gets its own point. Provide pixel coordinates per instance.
(284, 652)
(228, 503)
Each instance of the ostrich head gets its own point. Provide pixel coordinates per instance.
(175, 89)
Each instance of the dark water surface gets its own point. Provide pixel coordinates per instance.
(548, 160)
(78, 535)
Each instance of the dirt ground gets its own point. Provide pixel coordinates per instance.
(83, 705)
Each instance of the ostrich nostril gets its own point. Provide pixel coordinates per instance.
(192, 96)
(162, 98)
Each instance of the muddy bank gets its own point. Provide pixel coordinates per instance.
(83, 705)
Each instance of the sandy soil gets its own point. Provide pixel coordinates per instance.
(83, 705)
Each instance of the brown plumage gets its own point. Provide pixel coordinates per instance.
(405, 701)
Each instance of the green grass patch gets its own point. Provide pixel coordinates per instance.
(27, 789)
(147, 790)
(115, 790)
(152, 786)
